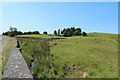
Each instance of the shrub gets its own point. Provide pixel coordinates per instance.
(11, 34)
(77, 32)
(84, 34)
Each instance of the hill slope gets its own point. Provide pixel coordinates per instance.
(93, 56)
(97, 54)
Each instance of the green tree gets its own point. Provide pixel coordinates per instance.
(55, 32)
(13, 29)
(45, 32)
(12, 32)
(58, 31)
(25, 33)
(77, 32)
(19, 33)
(5, 33)
(73, 30)
(65, 33)
(35, 32)
(69, 33)
(84, 34)
(29, 32)
(79, 29)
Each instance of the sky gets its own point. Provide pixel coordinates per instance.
(59, 0)
(49, 16)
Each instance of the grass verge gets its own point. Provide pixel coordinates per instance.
(9, 44)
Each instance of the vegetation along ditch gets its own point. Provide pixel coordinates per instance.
(45, 66)
(92, 56)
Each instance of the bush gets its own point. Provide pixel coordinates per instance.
(77, 32)
(45, 32)
(69, 34)
(84, 34)
(11, 34)
(65, 33)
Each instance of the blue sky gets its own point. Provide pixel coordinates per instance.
(49, 16)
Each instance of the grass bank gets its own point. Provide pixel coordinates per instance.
(97, 54)
(93, 56)
(9, 44)
(40, 36)
(45, 66)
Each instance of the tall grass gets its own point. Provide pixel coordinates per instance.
(45, 66)
(97, 54)
(69, 58)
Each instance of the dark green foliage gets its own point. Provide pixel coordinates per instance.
(77, 32)
(35, 32)
(58, 31)
(62, 31)
(29, 32)
(19, 33)
(65, 33)
(92, 73)
(45, 32)
(13, 32)
(79, 29)
(25, 33)
(5, 33)
(55, 32)
(70, 31)
(84, 33)
(13, 29)
(73, 29)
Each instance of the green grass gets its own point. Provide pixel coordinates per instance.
(40, 36)
(45, 62)
(96, 53)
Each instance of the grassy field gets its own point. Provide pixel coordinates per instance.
(97, 54)
(40, 36)
(93, 56)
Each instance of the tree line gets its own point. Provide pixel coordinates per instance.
(68, 32)
(13, 32)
